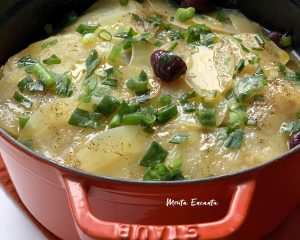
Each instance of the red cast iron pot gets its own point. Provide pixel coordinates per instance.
(74, 204)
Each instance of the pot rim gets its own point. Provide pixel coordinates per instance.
(93, 176)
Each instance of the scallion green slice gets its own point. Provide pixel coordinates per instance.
(115, 53)
(179, 138)
(23, 119)
(53, 59)
(85, 29)
(25, 102)
(235, 139)
(85, 119)
(206, 116)
(107, 105)
(132, 119)
(167, 113)
(165, 100)
(154, 154)
(240, 66)
(92, 62)
(105, 35)
(184, 14)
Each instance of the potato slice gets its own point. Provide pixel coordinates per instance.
(242, 24)
(107, 13)
(141, 53)
(211, 69)
(167, 10)
(49, 129)
(270, 56)
(115, 152)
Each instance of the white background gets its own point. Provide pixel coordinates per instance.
(14, 224)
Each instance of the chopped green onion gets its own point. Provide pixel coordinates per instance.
(167, 113)
(123, 2)
(125, 108)
(247, 87)
(130, 34)
(260, 40)
(194, 32)
(137, 18)
(257, 49)
(179, 138)
(85, 29)
(154, 154)
(24, 83)
(184, 101)
(115, 53)
(184, 14)
(235, 139)
(89, 39)
(184, 98)
(115, 121)
(171, 49)
(23, 119)
(240, 65)
(221, 17)
(148, 116)
(107, 105)
(158, 43)
(138, 84)
(157, 21)
(132, 119)
(105, 35)
(26, 61)
(238, 117)
(175, 34)
(282, 69)
(208, 39)
(92, 62)
(85, 119)
(52, 60)
(245, 49)
(298, 114)
(290, 127)
(32, 66)
(254, 60)
(27, 143)
(207, 117)
(49, 43)
(112, 82)
(293, 76)
(159, 172)
(63, 87)
(286, 41)
(25, 102)
(165, 99)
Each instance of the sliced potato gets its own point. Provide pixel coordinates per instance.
(115, 152)
(242, 24)
(49, 129)
(167, 10)
(141, 53)
(211, 69)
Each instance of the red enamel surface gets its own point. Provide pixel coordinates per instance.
(96, 228)
(131, 210)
